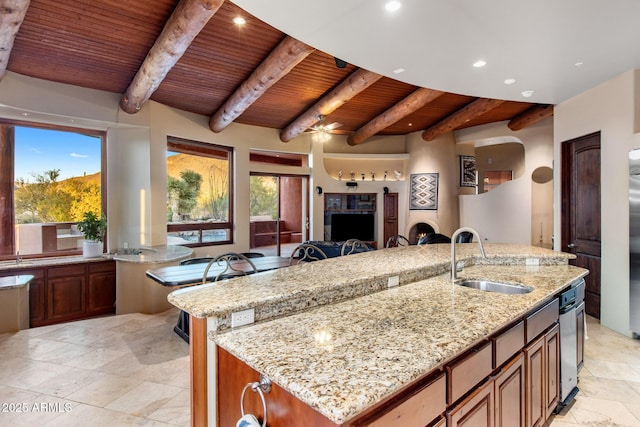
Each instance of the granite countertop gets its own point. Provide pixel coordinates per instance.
(391, 338)
(147, 255)
(151, 254)
(288, 290)
(12, 282)
(46, 262)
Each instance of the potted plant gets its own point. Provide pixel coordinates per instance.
(93, 229)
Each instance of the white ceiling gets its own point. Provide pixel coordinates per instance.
(535, 42)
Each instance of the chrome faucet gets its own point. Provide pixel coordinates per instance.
(18, 257)
(454, 270)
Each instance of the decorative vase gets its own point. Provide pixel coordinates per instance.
(91, 249)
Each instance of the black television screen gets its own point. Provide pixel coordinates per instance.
(352, 226)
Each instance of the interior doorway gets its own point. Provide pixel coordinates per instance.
(279, 213)
(581, 211)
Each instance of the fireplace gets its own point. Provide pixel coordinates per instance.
(418, 230)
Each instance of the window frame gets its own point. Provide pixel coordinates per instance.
(205, 149)
(103, 182)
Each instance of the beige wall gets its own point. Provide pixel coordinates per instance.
(137, 166)
(610, 109)
(505, 214)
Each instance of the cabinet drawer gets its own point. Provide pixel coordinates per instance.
(101, 267)
(419, 409)
(465, 373)
(508, 343)
(65, 271)
(536, 323)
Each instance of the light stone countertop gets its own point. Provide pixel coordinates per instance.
(391, 339)
(288, 290)
(46, 262)
(12, 282)
(151, 254)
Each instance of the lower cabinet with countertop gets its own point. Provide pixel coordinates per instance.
(73, 291)
(509, 379)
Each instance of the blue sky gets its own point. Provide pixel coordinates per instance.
(39, 150)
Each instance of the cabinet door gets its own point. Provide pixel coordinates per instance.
(580, 335)
(476, 410)
(510, 394)
(535, 383)
(552, 366)
(101, 291)
(66, 298)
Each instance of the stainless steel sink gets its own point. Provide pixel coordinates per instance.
(491, 286)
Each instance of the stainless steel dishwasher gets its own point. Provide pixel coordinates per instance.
(569, 301)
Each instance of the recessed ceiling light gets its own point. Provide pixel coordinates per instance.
(578, 64)
(410, 124)
(25, 114)
(398, 70)
(527, 93)
(392, 6)
(480, 63)
(509, 81)
(239, 20)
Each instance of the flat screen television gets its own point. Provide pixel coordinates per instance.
(352, 226)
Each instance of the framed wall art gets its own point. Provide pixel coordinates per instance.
(468, 175)
(424, 191)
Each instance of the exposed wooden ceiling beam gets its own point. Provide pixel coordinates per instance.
(354, 84)
(12, 14)
(184, 24)
(530, 116)
(289, 53)
(460, 117)
(408, 105)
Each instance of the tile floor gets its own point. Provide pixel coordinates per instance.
(133, 370)
(112, 371)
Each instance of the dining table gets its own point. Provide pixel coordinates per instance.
(192, 274)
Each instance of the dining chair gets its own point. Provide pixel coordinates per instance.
(465, 237)
(230, 270)
(397, 240)
(306, 252)
(354, 246)
(432, 238)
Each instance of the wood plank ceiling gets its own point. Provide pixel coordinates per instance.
(101, 44)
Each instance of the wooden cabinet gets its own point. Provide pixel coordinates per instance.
(477, 410)
(509, 393)
(468, 371)
(69, 292)
(552, 366)
(66, 292)
(542, 369)
(101, 290)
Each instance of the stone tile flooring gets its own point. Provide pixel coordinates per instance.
(133, 370)
(112, 371)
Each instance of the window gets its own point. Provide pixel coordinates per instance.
(49, 177)
(199, 196)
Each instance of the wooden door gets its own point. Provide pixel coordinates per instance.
(581, 211)
(390, 216)
(510, 394)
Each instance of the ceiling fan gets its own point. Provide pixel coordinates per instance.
(331, 128)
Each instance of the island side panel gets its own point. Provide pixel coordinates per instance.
(283, 410)
(198, 371)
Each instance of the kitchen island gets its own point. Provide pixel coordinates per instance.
(331, 335)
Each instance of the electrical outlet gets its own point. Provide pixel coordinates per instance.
(532, 261)
(241, 318)
(393, 281)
